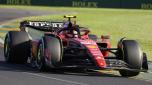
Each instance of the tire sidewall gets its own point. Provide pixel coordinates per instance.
(7, 48)
(132, 54)
(40, 59)
(16, 47)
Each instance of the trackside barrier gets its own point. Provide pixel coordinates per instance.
(135, 4)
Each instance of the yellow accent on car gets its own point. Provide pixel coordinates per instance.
(69, 16)
(92, 46)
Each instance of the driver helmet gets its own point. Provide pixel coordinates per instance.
(71, 34)
(75, 33)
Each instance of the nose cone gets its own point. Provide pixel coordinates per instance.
(95, 52)
(96, 55)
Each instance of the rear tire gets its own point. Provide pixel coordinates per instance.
(49, 53)
(132, 56)
(16, 47)
(40, 59)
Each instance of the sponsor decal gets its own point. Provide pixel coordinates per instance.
(146, 6)
(19, 2)
(84, 4)
(46, 24)
(87, 42)
(92, 46)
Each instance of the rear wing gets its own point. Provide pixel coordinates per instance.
(42, 25)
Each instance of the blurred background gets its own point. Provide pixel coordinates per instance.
(134, 4)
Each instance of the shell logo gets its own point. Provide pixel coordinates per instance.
(92, 46)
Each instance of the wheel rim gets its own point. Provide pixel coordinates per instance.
(7, 49)
(39, 56)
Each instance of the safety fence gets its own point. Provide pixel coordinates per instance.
(135, 4)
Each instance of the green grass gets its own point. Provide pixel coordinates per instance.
(118, 23)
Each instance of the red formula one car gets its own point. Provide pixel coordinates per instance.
(48, 44)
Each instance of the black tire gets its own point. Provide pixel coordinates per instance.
(16, 47)
(132, 56)
(54, 47)
(145, 62)
(93, 37)
(40, 59)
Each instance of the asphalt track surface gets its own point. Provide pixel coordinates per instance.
(16, 74)
(10, 14)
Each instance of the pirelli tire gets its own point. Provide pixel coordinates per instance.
(40, 59)
(16, 47)
(49, 53)
(132, 55)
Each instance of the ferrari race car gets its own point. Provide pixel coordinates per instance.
(47, 44)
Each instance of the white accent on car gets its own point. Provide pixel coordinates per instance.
(1, 41)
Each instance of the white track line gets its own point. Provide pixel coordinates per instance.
(53, 78)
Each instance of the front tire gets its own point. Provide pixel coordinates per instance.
(145, 62)
(132, 55)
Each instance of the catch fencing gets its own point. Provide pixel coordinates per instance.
(132, 4)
